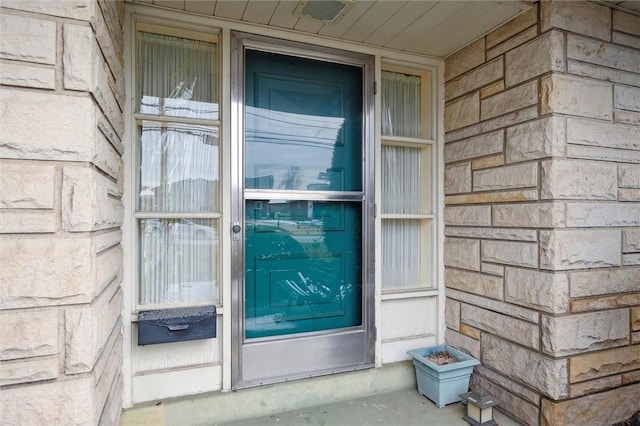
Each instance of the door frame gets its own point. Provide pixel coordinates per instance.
(239, 43)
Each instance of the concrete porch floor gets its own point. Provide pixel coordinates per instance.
(399, 408)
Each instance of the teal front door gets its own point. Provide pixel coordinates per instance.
(303, 198)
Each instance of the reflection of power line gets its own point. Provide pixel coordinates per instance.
(303, 123)
(290, 143)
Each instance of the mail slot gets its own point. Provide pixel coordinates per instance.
(176, 325)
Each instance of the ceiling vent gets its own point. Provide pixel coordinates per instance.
(325, 11)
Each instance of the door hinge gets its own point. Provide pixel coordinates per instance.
(375, 87)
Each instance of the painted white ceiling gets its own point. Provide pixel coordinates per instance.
(633, 5)
(434, 28)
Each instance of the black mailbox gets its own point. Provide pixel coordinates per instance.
(176, 325)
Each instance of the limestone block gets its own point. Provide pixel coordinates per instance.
(492, 197)
(462, 253)
(626, 98)
(473, 282)
(597, 133)
(452, 314)
(606, 302)
(27, 39)
(510, 119)
(631, 259)
(635, 338)
(492, 89)
(513, 42)
(462, 112)
(603, 73)
(631, 377)
(492, 233)
(109, 35)
(75, 9)
(579, 17)
(468, 216)
(33, 334)
(49, 403)
(28, 370)
(602, 214)
(635, 318)
(475, 79)
(107, 240)
(464, 60)
(629, 175)
(536, 139)
(463, 343)
(602, 154)
(457, 178)
(537, 290)
(79, 50)
(509, 177)
(547, 375)
(576, 180)
(573, 334)
(626, 117)
(631, 240)
(604, 363)
(18, 221)
(536, 215)
(603, 408)
(478, 146)
(585, 388)
(578, 249)
(626, 39)
(626, 23)
(512, 404)
(490, 268)
(525, 333)
(25, 186)
(513, 27)
(46, 126)
(469, 331)
(87, 330)
(107, 158)
(589, 283)
(571, 95)
(90, 201)
(539, 56)
(487, 162)
(494, 305)
(603, 54)
(510, 100)
(508, 384)
(108, 267)
(108, 376)
(510, 253)
(25, 75)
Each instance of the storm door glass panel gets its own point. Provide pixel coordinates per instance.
(176, 76)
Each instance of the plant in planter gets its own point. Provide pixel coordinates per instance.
(442, 373)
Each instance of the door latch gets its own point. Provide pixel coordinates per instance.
(236, 228)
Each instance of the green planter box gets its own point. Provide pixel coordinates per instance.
(442, 383)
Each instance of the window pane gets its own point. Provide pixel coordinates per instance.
(178, 168)
(406, 253)
(400, 104)
(176, 77)
(178, 260)
(406, 185)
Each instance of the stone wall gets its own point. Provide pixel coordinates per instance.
(61, 100)
(542, 216)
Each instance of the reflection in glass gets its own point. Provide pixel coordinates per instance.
(178, 168)
(402, 254)
(400, 104)
(178, 260)
(176, 77)
(402, 186)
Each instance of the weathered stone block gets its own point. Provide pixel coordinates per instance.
(509, 402)
(626, 39)
(576, 180)
(75, 9)
(631, 259)
(544, 54)
(626, 98)
(18, 221)
(626, 117)
(462, 253)
(513, 27)
(457, 178)
(601, 408)
(493, 124)
(452, 314)
(585, 388)
(589, 283)
(515, 41)
(547, 375)
(579, 17)
(635, 318)
(578, 249)
(492, 233)
(25, 75)
(493, 197)
(492, 89)
(602, 154)
(635, 338)
(510, 253)
(473, 282)
(629, 175)
(487, 162)
(517, 176)
(519, 331)
(464, 60)
(462, 112)
(494, 305)
(536, 289)
(469, 331)
(28, 370)
(626, 23)
(537, 215)
(46, 126)
(475, 79)
(79, 52)
(597, 133)
(604, 363)
(536, 139)
(478, 146)
(631, 377)
(631, 240)
(602, 214)
(27, 39)
(510, 100)
(508, 384)
(32, 334)
(462, 342)
(603, 73)
(25, 186)
(576, 96)
(468, 216)
(490, 268)
(568, 335)
(605, 302)
(604, 54)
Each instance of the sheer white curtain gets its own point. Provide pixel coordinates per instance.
(400, 104)
(401, 254)
(401, 185)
